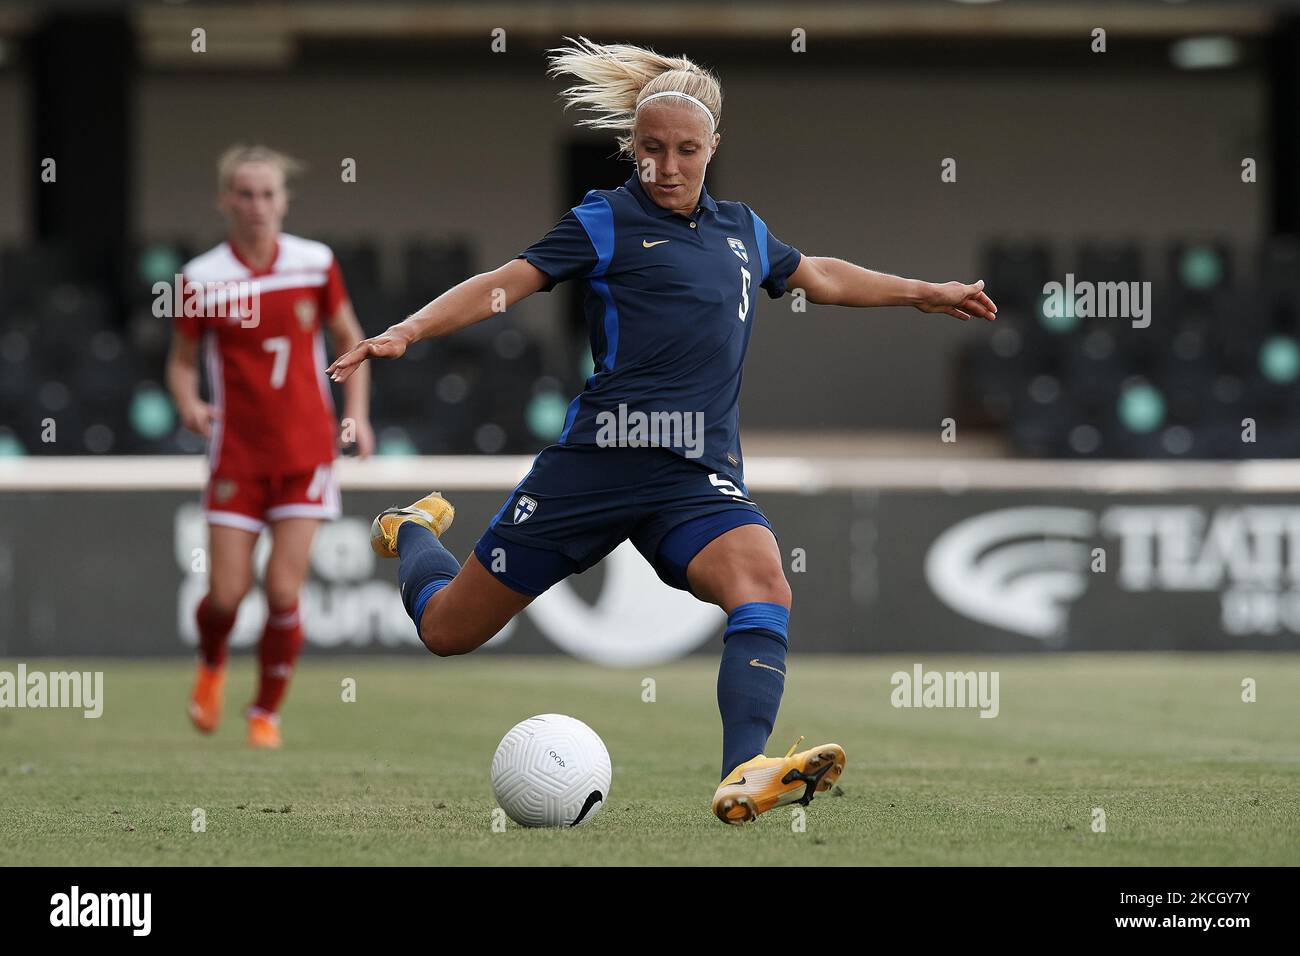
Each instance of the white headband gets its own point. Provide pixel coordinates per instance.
(685, 96)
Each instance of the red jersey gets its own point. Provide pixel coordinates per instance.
(265, 353)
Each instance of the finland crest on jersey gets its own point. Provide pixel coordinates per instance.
(738, 248)
(524, 509)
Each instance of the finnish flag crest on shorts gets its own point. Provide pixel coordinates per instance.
(524, 508)
(738, 248)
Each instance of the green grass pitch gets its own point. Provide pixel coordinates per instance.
(1184, 770)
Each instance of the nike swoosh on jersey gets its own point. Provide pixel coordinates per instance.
(645, 244)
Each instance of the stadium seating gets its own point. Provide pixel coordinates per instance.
(1218, 351)
(1223, 345)
(91, 359)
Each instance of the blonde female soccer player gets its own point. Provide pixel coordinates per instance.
(268, 299)
(670, 276)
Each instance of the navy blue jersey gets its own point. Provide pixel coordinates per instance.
(669, 302)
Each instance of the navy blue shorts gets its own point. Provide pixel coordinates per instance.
(580, 502)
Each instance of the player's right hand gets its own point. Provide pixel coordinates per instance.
(199, 416)
(387, 345)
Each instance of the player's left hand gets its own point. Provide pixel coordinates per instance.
(388, 344)
(958, 299)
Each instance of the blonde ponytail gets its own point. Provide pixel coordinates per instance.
(618, 76)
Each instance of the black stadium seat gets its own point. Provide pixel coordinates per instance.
(1219, 348)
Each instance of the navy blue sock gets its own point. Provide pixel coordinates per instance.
(424, 567)
(751, 679)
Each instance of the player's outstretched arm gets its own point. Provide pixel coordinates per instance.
(462, 305)
(835, 282)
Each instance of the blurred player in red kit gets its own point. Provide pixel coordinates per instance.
(258, 304)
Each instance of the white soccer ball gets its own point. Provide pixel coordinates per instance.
(551, 771)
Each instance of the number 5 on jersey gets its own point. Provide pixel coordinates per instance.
(725, 486)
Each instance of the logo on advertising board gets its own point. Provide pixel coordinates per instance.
(1022, 569)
